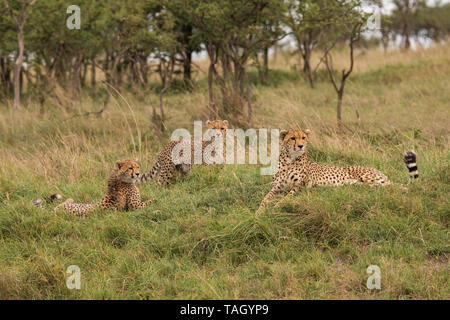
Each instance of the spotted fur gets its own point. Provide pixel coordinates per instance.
(165, 167)
(295, 170)
(121, 194)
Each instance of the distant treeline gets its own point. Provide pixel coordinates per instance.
(129, 40)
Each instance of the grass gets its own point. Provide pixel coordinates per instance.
(202, 239)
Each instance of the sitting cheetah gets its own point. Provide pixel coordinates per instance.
(295, 170)
(164, 168)
(121, 194)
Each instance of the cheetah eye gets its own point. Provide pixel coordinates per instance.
(293, 138)
(304, 138)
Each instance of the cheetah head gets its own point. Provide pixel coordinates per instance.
(294, 141)
(220, 125)
(127, 170)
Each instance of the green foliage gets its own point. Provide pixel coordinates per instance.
(422, 20)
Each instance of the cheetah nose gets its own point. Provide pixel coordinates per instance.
(137, 174)
(300, 146)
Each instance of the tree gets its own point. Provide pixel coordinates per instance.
(432, 22)
(8, 44)
(19, 17)
(405, 14)
(233, 32)
(306, 21)
(347, 31)
(184, 33)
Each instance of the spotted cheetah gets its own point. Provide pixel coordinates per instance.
(164, 168)
(295, 170)
(121, 194)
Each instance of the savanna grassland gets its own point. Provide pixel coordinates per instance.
(201, 239)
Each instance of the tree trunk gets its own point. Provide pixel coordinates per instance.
(20, 22)
(186, 52)
(406, 28)
(143, 69)
(210, 86)
(384, 40)
(114, 71)
(18, 66)
(84, 69)
(139, 72)
(187, 67)
(21, 81)
(211, 71)
(249, 99)
(120, 74)
(168, 76)
(305, 45)
(276, 48)
(404, 7)
(93, 83)
(407, 40)
(76, 75)
(106, 67)
(339, 104)
(5, 72)
(265, 63)
(307, 65)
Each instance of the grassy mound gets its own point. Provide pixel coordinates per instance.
(201, 238)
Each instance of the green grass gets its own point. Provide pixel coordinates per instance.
(202, 239)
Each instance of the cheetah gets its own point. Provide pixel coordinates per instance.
(121, 193)
(164, 168)
(295, 170)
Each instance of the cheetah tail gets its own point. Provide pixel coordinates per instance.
(146, 177)
(410, 159)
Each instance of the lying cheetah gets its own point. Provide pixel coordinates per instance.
(164, 168)
(295, 170)
(121, 194)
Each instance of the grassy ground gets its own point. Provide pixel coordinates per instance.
(202, 239)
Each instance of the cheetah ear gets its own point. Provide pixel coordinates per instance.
(119, 164)
(283, 134)
(136, 159)
(208, 122)
(225, 122)
(307, 131)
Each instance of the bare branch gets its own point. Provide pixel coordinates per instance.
(329, 65)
